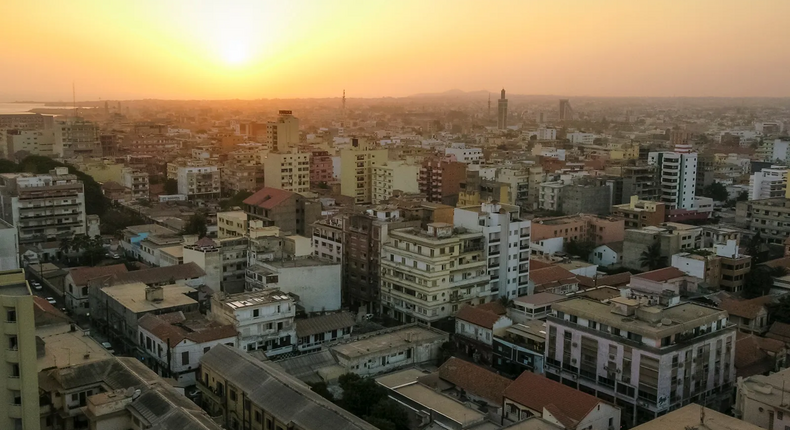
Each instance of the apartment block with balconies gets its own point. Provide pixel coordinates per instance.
(428, 275)
(199, 183)
(43, 207)
(356, 169)
(137, 181)
(288, 171)
(648, 360)
(677, 176)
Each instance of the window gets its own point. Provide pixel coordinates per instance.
(256, 313)
(10, 315)
(232, 394)
(13, 343)
(185, 358)
(258, 416)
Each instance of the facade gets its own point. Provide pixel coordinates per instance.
(646, 359)
(283, 134)
(501, 122)
(392, 176)
(506, 243)
(768, 183)
(238, 389)
(328, 239)
(223, 260)
(35, 142)
(672, 239)
(316, 282)
(428, 275)
(582, 227)
(585, 197)
(236, 178)
(440, 180)
(640, 213)
(459, 152)
(476, 327)
(137, 181)
(18, 372)
(321, 170)
(760, 400)
(43, 207)
(26, 121)
(143, 142)
(76, 138)
(356, 169)
(291, 212)
(677, 175)
(199, 182)
(76, 285)
(768, 216)
(288, 171)
(315, 331)
(231, 224)
(264, 320)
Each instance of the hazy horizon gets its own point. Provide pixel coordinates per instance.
(253, 50)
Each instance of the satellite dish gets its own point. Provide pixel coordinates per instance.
(136, 394)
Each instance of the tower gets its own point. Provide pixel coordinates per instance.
(566, 112)
(344, 103)
(501, 121)
(489, 107)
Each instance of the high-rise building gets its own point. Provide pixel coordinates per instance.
(76, 137)
(356, 169)
(501, 121)
(768, 183)
(394, 176)
(288, 171)
(647, 359)
(43, 207)
(199, 182)
(566, 112)
(137, 181)
(428, 275)
(440, 180)
(283, 134)
(506, 244)
(35, 142)
(321, 169)
(19, 372)
(27, 121)
(677, 176)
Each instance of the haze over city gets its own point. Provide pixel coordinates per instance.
(257, 49)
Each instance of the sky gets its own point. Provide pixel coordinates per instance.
(206, 49)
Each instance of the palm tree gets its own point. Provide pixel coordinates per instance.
(652, 258)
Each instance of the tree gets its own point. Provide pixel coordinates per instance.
(360, 395)
(236, 200)
(196, 225)
(780, 311)
(652, 259)
(743, 196)
(171, 186)
(321, 388)
(581, 248)
(388, 410)
(717, 191)
(757, 282)
(757, 249)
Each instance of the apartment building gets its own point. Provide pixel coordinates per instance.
(142, 142)
(264, 320)
(671, 237)
(19, 374)
(291, 212)
(236, 178)
(283, 134)
(768, 183)
(460, 153)
(769, 216)
(27, 121)
(677, 175)
(627, 181)
(288, 171)
(43, 207)
(35, 142)
(231, 224)
(506, 241)
(199, 183)
(440, 180)
(363, 238)
(640, 213)
(580, 228)
(316, 282)
(645, 359)
(427, 275)
(321, 168)
(328, 239)
(761, 400)
(243, 391)
(356, 169)
(479, 187)
(137, 181)
(75, 138)
(223, 260)
(392, 176)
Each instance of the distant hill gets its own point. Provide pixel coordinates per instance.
(455, 92)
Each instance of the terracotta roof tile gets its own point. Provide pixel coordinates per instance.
(538, 264)
(745, 308)
(474, 379)
(268, 198)
(46, 314)
(537, 392)
(485, 315)
(551, 274)
(176, 334)
(158, 275)
(779, 331)
(661, 275)
(82, 275)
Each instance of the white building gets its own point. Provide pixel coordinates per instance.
(328, 239)
(264, 320)
(76, 138)
(768, 183)
(780, 150)
(649, 358)
(199, 182)
(547, 134)
(288, 171)
(316, 282)
(392, 176)
(762, 400)
(506, 242)
(137, 181)
(465, 155)
(678, 175)
(581, 138)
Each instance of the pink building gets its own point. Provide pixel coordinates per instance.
(321, 168)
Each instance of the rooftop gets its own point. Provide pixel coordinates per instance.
(662, 275)
(176, 327)
(444, 405)
(268, 198)
(696, 417)
(82, 275)
(13, 283)
(158, 275)
(63, 347)
(474, 379)
(385, 340)
(323, 323)
(538, 299)
(485, 315)
(768, 389)
(538, 392)
(132, 297)
(255, 298)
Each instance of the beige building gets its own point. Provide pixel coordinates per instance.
(762, 400)
(694, 416)
(199, 182)
(394, 175)
(236, 178)
(35, 142)
(18, 373)
(288, 171)
(76, 138)
(137, 181)
(231, 224)
(428, 275)
(356, 169)
(283, 134)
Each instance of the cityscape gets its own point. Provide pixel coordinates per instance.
(336, 215)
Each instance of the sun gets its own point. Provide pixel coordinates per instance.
(235, 53)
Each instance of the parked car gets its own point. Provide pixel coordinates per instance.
(108, 347)
(36, 286)
(52, 301)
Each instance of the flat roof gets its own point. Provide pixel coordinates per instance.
(539, 299)
(132, 296)
(13, 283)
(399, 379)
(386, 341)
(535, 329)
(64, 347)
(690, 416)
(684, 317)
(444, 405)
(254, 298)
(299, 262)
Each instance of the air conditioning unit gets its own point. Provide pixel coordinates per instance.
(575, 345)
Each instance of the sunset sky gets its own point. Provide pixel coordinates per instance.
(267, 49)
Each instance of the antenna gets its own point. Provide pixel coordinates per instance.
(74, 99)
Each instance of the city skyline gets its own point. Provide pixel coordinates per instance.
(252, 50)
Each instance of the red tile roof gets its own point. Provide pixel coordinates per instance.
(82, 275)
(616, 280)
(779, 331)
(485, 315)
(474, 379)
(165, 331)
(551, 274)
(539, 264)
(661, 275)
(538, 392)
(45, 314)
(268, 198)
(745, 308)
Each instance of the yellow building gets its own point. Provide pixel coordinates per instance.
(19, 373)
(392, 176)
(356, 169)
(231, 224)
(288, 171)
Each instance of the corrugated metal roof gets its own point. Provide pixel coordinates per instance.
(323, 323)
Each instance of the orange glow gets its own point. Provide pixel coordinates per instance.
(266, 49)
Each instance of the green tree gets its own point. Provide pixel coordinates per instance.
(757, 249)
(360, 395)
(196, 224)
(757, 282)
(171, 186)
(581, 248)
(717, 191)
(652, 259)
(236, 200)
(391, 412)
(780, 311)
(322, 389)
(743, 196)
(95, 202)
